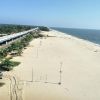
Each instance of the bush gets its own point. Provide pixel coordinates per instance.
(3, 53)
(8, 65)
(42, 28)
(24, 43)
(16, 46)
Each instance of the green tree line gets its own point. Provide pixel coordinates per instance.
(8, 29)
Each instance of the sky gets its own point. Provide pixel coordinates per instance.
(51, 13)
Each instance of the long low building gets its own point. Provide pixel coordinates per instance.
(7, 38)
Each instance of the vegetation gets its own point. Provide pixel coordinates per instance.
(15, 48)
(8, 65)
(1, 84)
(43, 28)
(9, 29)
(3, 53)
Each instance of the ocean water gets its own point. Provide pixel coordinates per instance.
(86, 34)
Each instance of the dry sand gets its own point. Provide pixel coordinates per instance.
(60, 67)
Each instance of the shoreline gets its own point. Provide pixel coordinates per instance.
(94, 46)
(73, 37)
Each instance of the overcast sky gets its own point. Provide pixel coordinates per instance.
(56, 13)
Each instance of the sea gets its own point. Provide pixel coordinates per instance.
(91, 35)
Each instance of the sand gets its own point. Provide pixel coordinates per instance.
(59, 67)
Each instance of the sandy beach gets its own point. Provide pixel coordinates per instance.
(58, 67)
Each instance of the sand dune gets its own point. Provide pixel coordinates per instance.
(60, 67)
